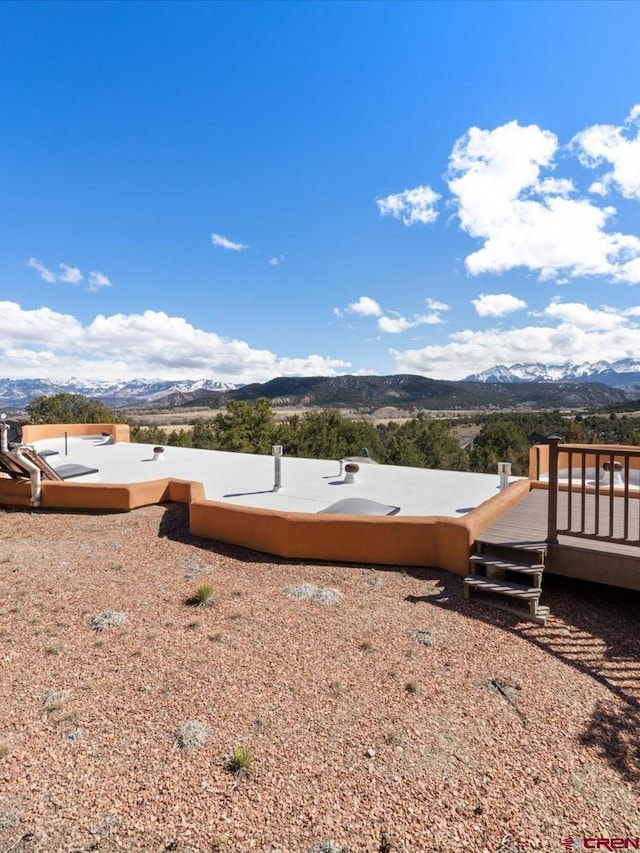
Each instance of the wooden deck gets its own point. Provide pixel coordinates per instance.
(525, 526)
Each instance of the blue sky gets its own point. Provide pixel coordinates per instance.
(246, 190)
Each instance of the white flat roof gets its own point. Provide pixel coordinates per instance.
(308, 485)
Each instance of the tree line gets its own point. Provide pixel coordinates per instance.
(422, 441)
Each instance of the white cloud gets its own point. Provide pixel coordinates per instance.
(71, 275)
(568, 332)
(365, 306)
(416, 205)
(615, 146)
(44, 343)
(41, 326)
(221, 242)
(45, 273)
(434, 305)
(97, 280)
(524, 219)
(275, 262)
(395, 325)
(580, 315)
(497, 304)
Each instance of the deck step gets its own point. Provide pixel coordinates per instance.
(520, 553)
(509, 578)
(539, 615)
(513, 590)
(507, 565)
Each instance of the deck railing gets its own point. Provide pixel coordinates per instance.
(601, 500)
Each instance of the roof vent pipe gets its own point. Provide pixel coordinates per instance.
(504, 472)
(609, 469)
(276, 452)
(350, 471)
(158, 454)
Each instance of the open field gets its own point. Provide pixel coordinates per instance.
(401, 718)
(171, 421)
(171, 417)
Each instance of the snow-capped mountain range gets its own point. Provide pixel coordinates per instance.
(20, 392)
(618, 374)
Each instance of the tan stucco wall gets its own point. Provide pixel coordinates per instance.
(400, 540)
(37, 432)
(435, 541)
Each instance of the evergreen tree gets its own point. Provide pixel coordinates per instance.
(423, 442)
(501, 440)
(69, 409)
(246, 428)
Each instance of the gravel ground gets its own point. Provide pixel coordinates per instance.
(397, 717)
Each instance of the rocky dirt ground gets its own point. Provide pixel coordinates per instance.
(393, 717)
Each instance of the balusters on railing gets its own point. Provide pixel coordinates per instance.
(608, 506)
(552, 519)
(596, 525)
(612, 474)
(626, 498)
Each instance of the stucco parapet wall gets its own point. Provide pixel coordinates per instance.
(117, 497)
(436, 541)
(38, 432)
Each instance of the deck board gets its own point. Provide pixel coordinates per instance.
(525, 524)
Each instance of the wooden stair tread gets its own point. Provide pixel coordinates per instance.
(538, 548)
(503, 587)
(539, 617)
(507, 565)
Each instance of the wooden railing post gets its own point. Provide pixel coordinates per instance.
(552, 521)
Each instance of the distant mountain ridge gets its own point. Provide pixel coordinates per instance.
(20, 392)
(403, 391)
(410, 392)
(624, 373)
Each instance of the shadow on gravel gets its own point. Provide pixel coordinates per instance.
(594, 628)
(174, 525)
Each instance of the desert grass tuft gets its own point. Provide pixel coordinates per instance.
(240, 762)
(422, 637)
(191, 735)
(55, 700)
(392, 739)
(202, 596)
(308, 591)
(411, 687)
(336, 688)
(107, 619)
(6, 747)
